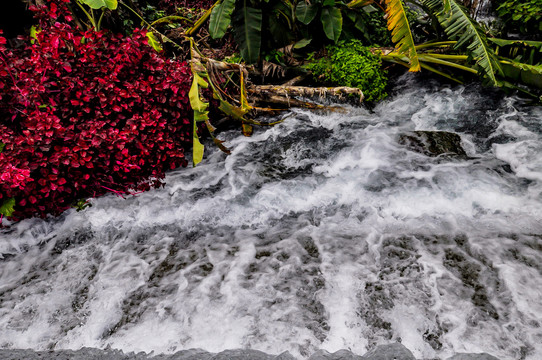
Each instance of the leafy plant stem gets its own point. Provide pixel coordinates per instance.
(434, 60)
(447, 56)
(199, 23)
(91, 18)
(432, 69)
(99, 25)
(152, 27)
(435, 44)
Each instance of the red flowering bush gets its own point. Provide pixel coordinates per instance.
(84, 113)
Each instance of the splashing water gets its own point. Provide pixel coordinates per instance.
(320, 233)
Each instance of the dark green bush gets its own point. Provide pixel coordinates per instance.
(525, 16)
(352, 64)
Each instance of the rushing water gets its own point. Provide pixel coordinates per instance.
(320, 233)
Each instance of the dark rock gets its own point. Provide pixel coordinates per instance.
(98, 354)
(394, 351)
(433, 143)
(191, 354)
(339, 355)
(482, 356)
(249, 355)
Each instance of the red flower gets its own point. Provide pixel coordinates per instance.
(80, 118)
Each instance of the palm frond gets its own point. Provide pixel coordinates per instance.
(400, 32)
(457, 24)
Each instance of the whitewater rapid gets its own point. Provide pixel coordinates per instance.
(322, 232)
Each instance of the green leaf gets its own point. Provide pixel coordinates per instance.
(535, 69)
(369, 9)
(200, 114)
(153, 41)
(332, 20)
(2, 146)
(221, 18)
(302, 43)
(359, 3)
(195, 101)
(7, 207)
(34, 33)
(505, 42)
(400, 32)
(170, 20)
(197, 147)
(306, 12)
(248, 32)
(98, 4)
(457, 24)
(523, 73)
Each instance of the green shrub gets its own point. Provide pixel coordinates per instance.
(352, 64)
(526, 16)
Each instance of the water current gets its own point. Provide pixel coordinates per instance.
(323, 232)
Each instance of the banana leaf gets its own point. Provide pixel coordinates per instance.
(457, 24)
(332, 21)
(526, 74)
(221, 18)
(505, 42)
(401, 33)
(98, 4)
(248, 32)
(306, 12)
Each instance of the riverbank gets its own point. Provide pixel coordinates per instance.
(394, 351)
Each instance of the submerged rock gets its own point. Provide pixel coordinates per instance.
(98, 354)
(339, 355)
(382, 352)
(433, 143)
(389, 352)
(482, 356)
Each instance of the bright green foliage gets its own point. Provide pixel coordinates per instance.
(526, 15)
(81, 205)
(98, 4)
(352, 64)
(153, 41)
(201, 113)
(7, 207)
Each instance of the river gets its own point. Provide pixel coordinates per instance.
(322, 232)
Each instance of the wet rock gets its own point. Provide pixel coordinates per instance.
(192, 354)
(339, 355)
(483, 356)
(248, 355)
(82, 354)
(433, 143)
(98, 354)
(394, 351)
(469, 272)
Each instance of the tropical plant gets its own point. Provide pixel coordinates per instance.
(524, 15)
(262, 26)
(401, 34)
(354, 65)
(92, 5)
